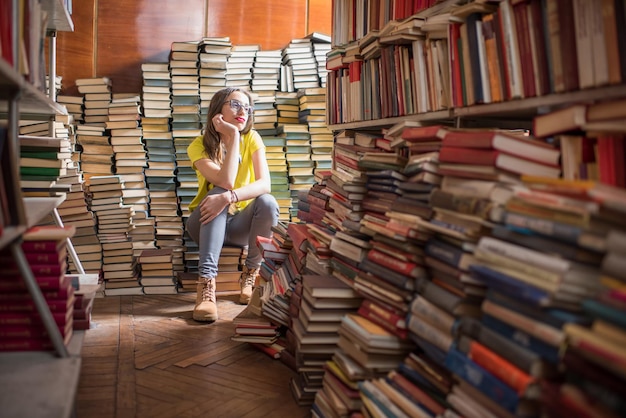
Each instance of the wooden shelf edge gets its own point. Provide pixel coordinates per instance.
(377, 123)
(519, 109)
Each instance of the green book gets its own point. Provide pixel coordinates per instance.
(41, 171)
(46, 155)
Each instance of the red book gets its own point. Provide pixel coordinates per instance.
(520, 15)
(500, 367)
(392, 321)
(511, 143)
(416, 393)
(52, 246)
(395, 264)
(271, 350)
(15, 283)
(60, 305)
(28, 318)
(611, 159)
(48, 269)
(497, 159)
(424, 133)
(57, 294)
(455, 65)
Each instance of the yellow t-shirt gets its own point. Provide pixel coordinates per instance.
(250, 143)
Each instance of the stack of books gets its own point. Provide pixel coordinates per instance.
(239, 66)
(157, 272)
(21, 327)
(97, 94)
(325, 301)
(298, 57)
(312, 111)
(321, 47)
(136, 195)
(252, 327)
(213, 54)
(124, 121)
(266, 71)
(74, 106)
(265, 114)
(114, 224)
(86, 288)
(96, 151)
(155, 93)
(43, 160)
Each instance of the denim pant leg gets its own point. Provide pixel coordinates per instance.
(255, 220)
(209, 237)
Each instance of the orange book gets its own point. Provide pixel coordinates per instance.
(499, 367)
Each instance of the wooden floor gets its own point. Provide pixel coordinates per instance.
(146, 357)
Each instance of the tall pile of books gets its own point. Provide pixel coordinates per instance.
(325, 300)
(213, 53)
(239, 66)
(266, 72)
(114, 224)
(298, 55)
(312, 112)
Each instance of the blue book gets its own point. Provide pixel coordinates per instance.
(459, 364)
(544, 350)
(554, 317)
(509, 285)
(383, 403)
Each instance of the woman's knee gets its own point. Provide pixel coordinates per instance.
(266, 204)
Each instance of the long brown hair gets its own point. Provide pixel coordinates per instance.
(211, 139)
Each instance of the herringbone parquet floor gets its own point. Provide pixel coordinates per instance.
(145, 357)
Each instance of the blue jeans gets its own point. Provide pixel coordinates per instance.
(240, 229)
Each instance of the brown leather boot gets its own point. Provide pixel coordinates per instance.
(247, 280)
(206, 308)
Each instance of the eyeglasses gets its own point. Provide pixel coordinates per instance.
(237, 106)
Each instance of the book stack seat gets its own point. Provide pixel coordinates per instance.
(157, 272)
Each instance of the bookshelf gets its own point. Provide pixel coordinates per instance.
(32, 383)
(352, 87)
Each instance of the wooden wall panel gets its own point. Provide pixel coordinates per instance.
(319, 16)
(269, 23)
(133, 32)
(113, 37)
(75, 50)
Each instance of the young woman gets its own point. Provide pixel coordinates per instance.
(233, 205)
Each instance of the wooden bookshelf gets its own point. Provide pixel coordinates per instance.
(33, 383)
